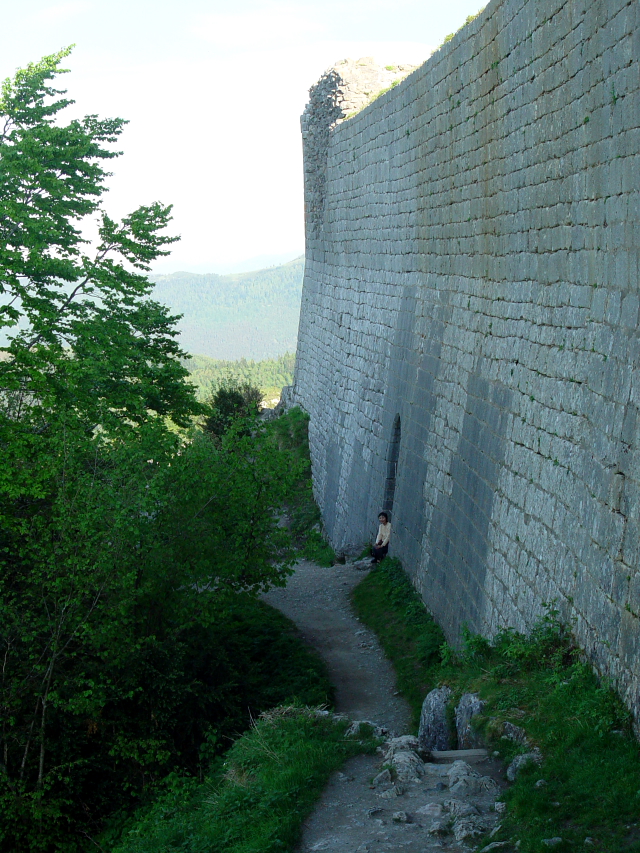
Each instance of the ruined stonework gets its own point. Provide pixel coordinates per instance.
(468, 344)
(341, 92)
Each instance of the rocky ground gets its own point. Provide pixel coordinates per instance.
(402, 799)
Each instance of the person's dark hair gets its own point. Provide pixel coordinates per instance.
(386, 517)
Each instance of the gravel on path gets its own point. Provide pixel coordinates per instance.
(418, 807)
(317, 600)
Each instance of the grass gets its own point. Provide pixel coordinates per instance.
(291, 430)
(263, 664)
(468, 20)
(258, 799)
(541, 683)
(387, 602)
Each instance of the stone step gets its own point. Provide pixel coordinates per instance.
(471, 756)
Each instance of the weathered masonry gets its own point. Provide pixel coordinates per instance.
(468, 348)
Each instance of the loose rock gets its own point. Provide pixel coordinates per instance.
(401, 817)
(431, 809)
(459, 808)
(438, 827)
(354, 728)
(408, 766)
(400, 744)
(468, 827)
(464, 781)
(383, 778)
(521, 761)
(393, 791)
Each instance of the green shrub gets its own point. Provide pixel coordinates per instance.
(291, 431)
(257, 801)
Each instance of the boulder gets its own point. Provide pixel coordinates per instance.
(434, 730)
(468, 707)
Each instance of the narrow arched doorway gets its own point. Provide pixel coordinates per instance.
(392, 466)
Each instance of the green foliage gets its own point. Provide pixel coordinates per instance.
(387, 601)
(64, 308)
(113, 606)
(316, 548)
(541, 683)
(291, 432)
(126, 547)
(253, 660)
(251, 315)
(230, 403)
(590, 755)
(258, 800)
(270, 375)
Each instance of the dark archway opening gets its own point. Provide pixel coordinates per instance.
(392, 466)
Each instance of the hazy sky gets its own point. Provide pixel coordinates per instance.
(213, 91)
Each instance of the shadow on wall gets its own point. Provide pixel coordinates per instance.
(392, 466)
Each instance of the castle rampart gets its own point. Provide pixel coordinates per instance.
(468, 347)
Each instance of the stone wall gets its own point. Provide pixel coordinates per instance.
(470, 308)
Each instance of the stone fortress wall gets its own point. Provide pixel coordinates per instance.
(468, 345)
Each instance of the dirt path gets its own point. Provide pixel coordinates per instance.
(419, 807)
(317, 600)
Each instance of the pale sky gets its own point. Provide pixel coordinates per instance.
(214, 92)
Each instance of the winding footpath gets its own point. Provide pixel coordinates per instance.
(419, 806)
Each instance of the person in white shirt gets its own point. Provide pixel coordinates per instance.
(379, 550)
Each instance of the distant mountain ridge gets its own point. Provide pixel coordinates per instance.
(252, 315)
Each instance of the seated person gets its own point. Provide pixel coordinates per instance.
(379, 550)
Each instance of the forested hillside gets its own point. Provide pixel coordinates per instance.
(250, 315)
(270, 375)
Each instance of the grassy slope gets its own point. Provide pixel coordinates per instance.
(591, 763)
(257, 801)
(277, 668)
(386, 601)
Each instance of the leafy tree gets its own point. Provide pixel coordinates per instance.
(122, 543)
(84, 337)
(232, 401)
